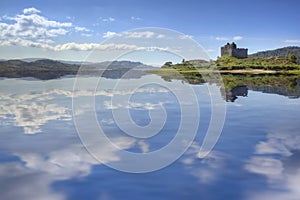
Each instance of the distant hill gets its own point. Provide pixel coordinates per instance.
(51, 69)
(120, 64)
(282, 52)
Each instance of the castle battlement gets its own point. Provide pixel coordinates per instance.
(232, 50)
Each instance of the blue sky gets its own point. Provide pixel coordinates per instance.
(67, 29)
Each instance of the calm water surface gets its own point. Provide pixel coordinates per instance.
(41, 156)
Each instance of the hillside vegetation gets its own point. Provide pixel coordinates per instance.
(281, 52)
(269, 63)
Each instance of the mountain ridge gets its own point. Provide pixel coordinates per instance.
(50, 69)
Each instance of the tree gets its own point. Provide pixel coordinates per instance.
(293, 58)
(167, 64)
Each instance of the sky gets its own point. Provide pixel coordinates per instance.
(72, 29)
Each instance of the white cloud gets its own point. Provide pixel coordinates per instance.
(31, 25)
(136, 34)
(78, 28)
(34, 30)
(142, 34)
(210, 50)
(86, 34)
(222, 38)
(292, 41)
(184, 37)
(159, 36)
(79, 46)
(236, 38)
(31, 11)
(135, 18)
(30, 29)
(109, 34)
(110, 19)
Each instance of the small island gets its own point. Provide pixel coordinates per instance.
(236, 60)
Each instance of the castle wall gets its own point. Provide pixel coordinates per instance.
(226, 52)
(240, 53)
(234, 52)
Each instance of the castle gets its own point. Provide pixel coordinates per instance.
(232, 50)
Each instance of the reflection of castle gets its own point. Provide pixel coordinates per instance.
(232, 50)
(232, 93)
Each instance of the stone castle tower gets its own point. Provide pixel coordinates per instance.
(232, 50)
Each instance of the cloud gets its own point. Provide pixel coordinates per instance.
(222, 38)
(135, 18)
(32, 29)
(86, 34)
(236, 38)
(142, 34)
(159, 36)
(31, 11)
(210, 50)
(184, 37)
(110, 19)
(109, 34)
(136, 34)
(292, 41)
(78, 46)
(78, 28)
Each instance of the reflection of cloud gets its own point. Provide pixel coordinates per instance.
(107, 121)
(32, 177)
(144, 146)
(266, 166)
(61, 164)
(22, 183)
(31, 111)
(133, 105)
(276, 159)
(210, 167)
(272, 147)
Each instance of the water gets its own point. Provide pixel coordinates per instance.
(42, 157)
